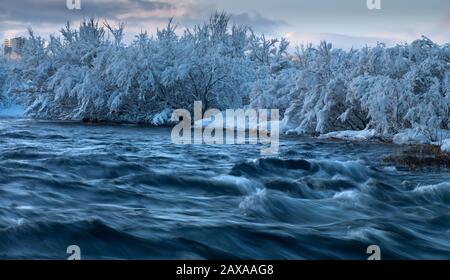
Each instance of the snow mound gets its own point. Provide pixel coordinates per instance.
(251, 123)
(410, 136)
(351, 135)
(446, 146)
(162, 118)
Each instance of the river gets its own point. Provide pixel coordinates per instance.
(127, 192)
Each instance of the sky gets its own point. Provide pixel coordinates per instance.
(345, 23)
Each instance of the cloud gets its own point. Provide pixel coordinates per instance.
(258, 22)
(444, 23)
(303, 20)
(34, 12)
(135, 13)
(340, 40)
(48, 16)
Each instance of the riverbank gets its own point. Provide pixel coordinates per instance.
(420, 156)
(415, 152)
(418, 151)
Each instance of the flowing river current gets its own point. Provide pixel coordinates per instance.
(127, 192)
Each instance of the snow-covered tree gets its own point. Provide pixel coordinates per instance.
(89, 73)
(386, 89)
(3, 80)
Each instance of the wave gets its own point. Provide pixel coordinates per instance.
(126, 193)
(434, 193)
(47, 240)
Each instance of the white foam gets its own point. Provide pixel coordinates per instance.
(349, 194)
(335, 169)
(250, 201)
(432, 188)
(25, 207)
(242, 183)
(391, 169)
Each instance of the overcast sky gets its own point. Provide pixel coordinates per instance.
(346, 23)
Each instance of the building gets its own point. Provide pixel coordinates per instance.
(7, 47)
(13, 47)
(17, 44)
(7, 43)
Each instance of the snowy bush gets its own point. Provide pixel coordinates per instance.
(3, 76)
(446, 146)
(386, 89)
(88, 73)
(6, 82)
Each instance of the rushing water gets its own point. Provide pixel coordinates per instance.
(126, 192)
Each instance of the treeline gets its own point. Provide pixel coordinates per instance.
(406, 87)
(89, 73)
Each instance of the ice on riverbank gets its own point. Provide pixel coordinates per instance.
(410, 136)
(405, 137)
(351, 135)
(252, 122)
(162, 118)
(12, 111)
(445, 147)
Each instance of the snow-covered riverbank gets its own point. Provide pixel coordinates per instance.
(399, 94)
(406, 137)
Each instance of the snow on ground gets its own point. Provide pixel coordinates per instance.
(446, 146)
(405, 137)
(410, 136)
(250, 123)
(351, 135)
(162, 118)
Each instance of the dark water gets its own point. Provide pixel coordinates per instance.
(125, 192)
